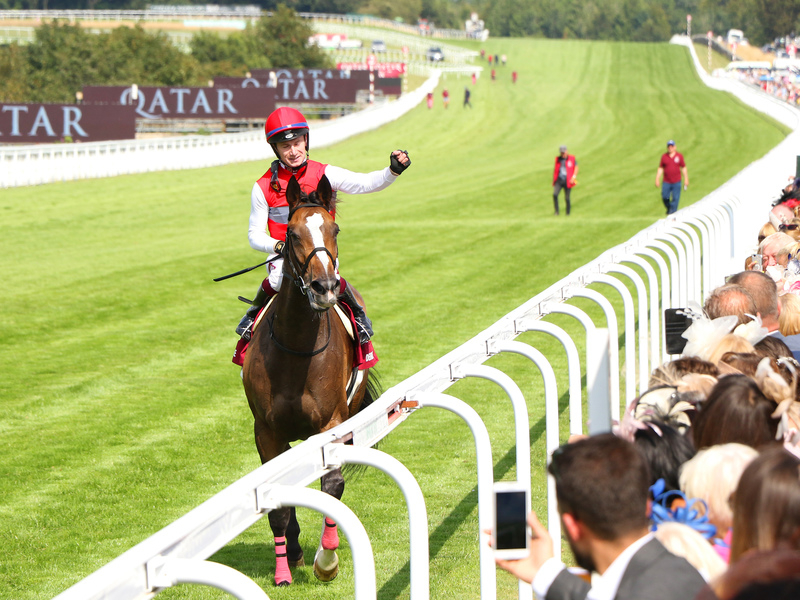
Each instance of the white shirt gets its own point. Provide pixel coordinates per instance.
(604, 587)
(341, 180)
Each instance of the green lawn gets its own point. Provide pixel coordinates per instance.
(122, 410)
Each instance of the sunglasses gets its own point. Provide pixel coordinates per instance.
(790, 227)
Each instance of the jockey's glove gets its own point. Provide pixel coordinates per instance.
(396, 166)
(279, 245)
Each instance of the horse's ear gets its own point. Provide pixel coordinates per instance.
(293, 192)
(325, 193)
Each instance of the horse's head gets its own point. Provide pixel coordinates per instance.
(311, 250)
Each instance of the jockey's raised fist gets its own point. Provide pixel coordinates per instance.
(399, 161)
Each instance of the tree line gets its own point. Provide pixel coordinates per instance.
(63, 57)
(624, 20)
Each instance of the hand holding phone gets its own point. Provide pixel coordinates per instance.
(510, 534)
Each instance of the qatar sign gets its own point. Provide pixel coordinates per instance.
(37, 123)
(187, 102)
(300, 85)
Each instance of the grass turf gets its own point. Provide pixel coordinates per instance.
(122, 410)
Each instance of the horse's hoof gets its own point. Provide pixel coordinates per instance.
(300, 562)
(326, 565)
(283, 583)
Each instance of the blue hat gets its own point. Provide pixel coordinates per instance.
(670, 143)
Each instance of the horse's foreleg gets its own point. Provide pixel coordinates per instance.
(326, 562)
(278, 522)
(294, 552)
(282, 521)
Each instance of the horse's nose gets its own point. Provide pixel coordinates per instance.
(324, 286)
(325, 291)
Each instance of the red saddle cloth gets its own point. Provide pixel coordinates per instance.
(364, 355)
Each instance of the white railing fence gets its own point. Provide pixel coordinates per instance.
(674, 261)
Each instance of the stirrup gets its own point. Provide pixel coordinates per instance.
(245, 328)
(364, 326)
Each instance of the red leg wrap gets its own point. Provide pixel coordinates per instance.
(283, 576)
(330, 537)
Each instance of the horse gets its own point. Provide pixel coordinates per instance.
(298, 364)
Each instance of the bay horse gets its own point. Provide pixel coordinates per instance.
(298, 363)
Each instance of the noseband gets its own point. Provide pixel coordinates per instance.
(297, 274)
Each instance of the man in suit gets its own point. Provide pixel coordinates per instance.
(764, 292)
(602, 491)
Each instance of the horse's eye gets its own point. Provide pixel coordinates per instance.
(291, 233)
(335, 230)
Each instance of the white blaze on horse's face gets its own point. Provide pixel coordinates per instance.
(314, 223)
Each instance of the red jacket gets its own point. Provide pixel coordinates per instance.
(571, 162)
(278, 177)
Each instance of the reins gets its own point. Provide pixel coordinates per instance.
(297, 352)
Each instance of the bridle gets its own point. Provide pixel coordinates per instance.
(296, 275)
(297, 271)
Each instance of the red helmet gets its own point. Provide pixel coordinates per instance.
(285, 124)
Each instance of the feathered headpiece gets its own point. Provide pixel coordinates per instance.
(775, 387)
(683, 512)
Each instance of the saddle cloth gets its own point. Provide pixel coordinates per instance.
(364, 356)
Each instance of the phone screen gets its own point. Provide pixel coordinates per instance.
(511, 518)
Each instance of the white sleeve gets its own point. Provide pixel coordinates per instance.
(359, 183)
(546, 575)
(259, 214)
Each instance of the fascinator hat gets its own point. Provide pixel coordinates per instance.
(704, 335)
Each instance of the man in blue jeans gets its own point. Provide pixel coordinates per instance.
(671, 167)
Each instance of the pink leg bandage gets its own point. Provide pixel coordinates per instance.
(283, 576)
(330, 537)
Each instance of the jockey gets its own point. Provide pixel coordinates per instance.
(287, 132)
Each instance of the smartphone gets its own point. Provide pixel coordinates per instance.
(510, 535)
(674, 326)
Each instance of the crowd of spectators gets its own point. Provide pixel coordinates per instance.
(719, 431)
(780, 84)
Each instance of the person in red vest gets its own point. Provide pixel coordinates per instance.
(287, 132)
(565, 176)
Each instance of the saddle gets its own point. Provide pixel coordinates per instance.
(364, 355)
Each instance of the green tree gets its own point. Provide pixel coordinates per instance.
(132, 55)
(61, 61)
(777, 18)
(14, 78)
(282, 41)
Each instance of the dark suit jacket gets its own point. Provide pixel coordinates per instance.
(653, 574)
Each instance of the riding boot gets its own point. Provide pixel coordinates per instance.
(362, 320)
(245, 327)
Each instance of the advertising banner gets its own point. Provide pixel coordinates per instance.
(320, 86)
(383, 69)
(49, 123)
(187, 102)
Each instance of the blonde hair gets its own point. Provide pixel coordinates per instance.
(767, 229)
(730, 343)
(794, 233)
(789, 319)
(682, 540)
(712, 475)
